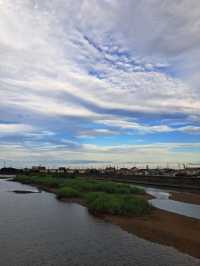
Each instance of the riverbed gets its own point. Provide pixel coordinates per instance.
(37, 229)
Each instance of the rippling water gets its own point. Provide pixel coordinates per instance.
(36, 229)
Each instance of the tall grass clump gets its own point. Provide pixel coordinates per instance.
(102, 186)
(81, 185)
(100, 196)
(67, 192)
(101, 202)
(117, 188)
(47, 181)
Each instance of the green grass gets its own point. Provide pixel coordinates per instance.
(81, 185)
(116, 204)
(102, 186)
(67, 192)
(100, 196)
(45, 180)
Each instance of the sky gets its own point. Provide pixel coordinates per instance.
(99, 82)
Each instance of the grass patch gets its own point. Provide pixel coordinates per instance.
(81, 185)
(67, 192)
(102, 186)
(100, 196)
(116, 204)
(45, 180)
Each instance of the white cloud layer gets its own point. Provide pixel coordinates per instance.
(14, 129)
(70, 67)
(173, 153)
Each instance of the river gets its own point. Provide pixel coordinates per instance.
(163, 202)
(37, 229)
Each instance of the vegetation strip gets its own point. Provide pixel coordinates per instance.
(104, 197)
(99, 196)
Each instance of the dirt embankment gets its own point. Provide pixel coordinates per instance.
(166, 228)
(187, 197)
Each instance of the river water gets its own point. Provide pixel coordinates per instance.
(163, 202)
(36, 229)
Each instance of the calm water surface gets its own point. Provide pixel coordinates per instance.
(163, 202)
(36, 229)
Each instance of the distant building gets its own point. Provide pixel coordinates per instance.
(124, 171)
(40, 169)
(195, 171)
(53, 171)
(134, 170)
(110, 170)
(141, 172)
(70, 171)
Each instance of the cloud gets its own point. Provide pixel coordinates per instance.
(14, 129)
(53, 52)
(97, 132)
(190, 129)
(98, 68)
(146, 129)
(98, 156)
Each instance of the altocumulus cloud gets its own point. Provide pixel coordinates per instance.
(79, 79)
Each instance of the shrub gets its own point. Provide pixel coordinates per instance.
(136, 190)
(67, 192)
(135, 205)
(44, 180)
(81, 185)
(100, 196)
(116, 204)
(102, 186)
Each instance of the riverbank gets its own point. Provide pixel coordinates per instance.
(166, 228)
(37, 229)
(159, 226)
(180, 232)
(186, 197)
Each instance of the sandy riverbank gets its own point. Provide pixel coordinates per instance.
(164, 227)
(187, 197)
(180, 232)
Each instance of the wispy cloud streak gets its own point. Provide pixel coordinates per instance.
(98, 73)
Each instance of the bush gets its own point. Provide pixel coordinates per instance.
(100, 196)
(44, 180)
(78, 184)
(67, 192)
(116, 188)
(136, 190)
(81, 185)
(102, 186)
(116, 204)
(135, 205)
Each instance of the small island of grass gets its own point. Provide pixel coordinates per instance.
(99, 196)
